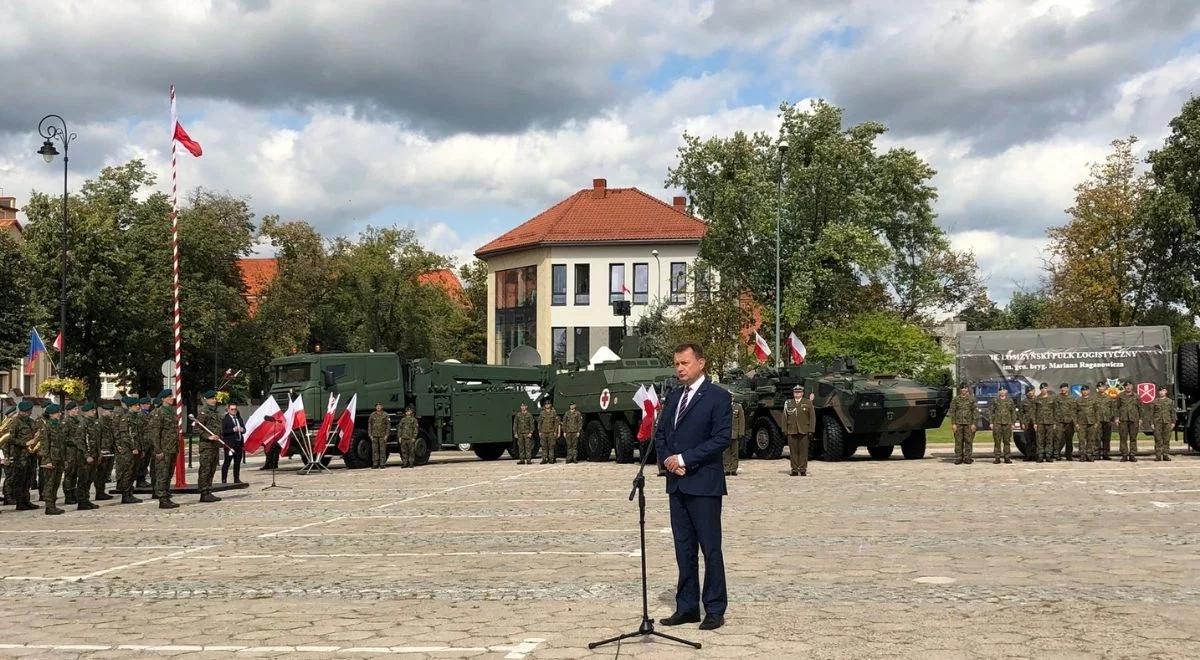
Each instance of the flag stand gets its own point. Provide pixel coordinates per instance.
(313, 463)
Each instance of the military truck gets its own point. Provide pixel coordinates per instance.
(877, 411)
(454, 403)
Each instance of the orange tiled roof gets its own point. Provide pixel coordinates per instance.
(257, 274)
(5, 224)
(602, 215)
(446, 280)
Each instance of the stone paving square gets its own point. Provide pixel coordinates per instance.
(465, 558)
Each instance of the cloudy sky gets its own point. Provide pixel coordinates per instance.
(462, 119)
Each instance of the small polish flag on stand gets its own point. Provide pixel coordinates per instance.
(761, 350)
(345, 424)
(647, 400)
(799, 352)
(289, 420)
(263, 426)
(326, 425)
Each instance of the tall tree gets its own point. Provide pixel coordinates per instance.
(882, 342)
(473, 341)
(16, 314)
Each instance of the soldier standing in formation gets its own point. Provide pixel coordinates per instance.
(1162, 419)
(572, 426)
(799, 422)
(164, 437)
(17, 470)
(407, 432)
(1106, 404)
(210, 445)
(128, 448)
(1002, 412)
(730, 457)
(141, 430)
(549, 428)
(53, 454)
(1028, 425)
(523, 434)
(106, 445)
(1128, 413)
(1086, 419)
(964, 419)
(377, 429)
(1064, 422)
(1044, 412)
(86, 448)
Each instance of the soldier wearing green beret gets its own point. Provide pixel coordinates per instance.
(165, 438)
(141, 430)
(128, 449)
(1087, 419)
(53, 455)
(88, 443)
(210, 445)
(106, 428)
(21, 434)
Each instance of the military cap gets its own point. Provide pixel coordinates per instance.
(69, 406)
(165, 393)
(546, 402)
(144, 400)
(1030, 388)
(210, 394)
(1064, 384)
(407, 409)
(129, 400)
(1085, 387)
(24, 406)
(1045, 386)
(156, 401)
(1101, 383)
(800, 388)
(53, 408)
(107, 405)
(87, 406)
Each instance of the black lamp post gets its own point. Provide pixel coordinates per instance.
(52, 130)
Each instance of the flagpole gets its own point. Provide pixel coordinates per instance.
(177, 326)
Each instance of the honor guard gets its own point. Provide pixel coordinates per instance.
(523, 434)
(128, 449)
(377, 429)
(1128, 414)
(1162, 417)
(1002, 412)
(164, 436)
(964, 419)
(572, 426)
(53, 455)
(407, 432)
(210, 444)
(549, 429)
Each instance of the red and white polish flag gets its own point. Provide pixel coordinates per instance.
(797, 348)
(345, 424)
(289, 421)
(181, 136)
(262, 427)
(326, 425)
(761, 350)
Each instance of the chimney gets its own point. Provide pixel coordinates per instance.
(599, 186)
(680, 204)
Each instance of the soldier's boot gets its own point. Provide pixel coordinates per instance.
(101, 495)
(27, 506)
(1133, 458)
(69, 501)
(968, 460)
(142, 483)
(1007, 460)
(128, 498)
(207, 496)
(804, 473)
(959, 461)
(86, 506)
(1166, 456)
(796, 473)
(996, 461)
(166, 503)
(53, 510)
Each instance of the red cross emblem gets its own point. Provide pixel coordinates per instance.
(1146, 392)
(605, 399)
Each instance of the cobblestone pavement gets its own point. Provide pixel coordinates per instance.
(465, 558)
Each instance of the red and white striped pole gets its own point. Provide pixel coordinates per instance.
(177, 325)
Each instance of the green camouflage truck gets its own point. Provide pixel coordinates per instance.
(877, 411)
(455, 404)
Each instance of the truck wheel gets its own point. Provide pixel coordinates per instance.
(768, 439)
(1192, 433)
(881, 452)
(596, 438)
(914, 447)
(515, 454)
(423, 448)
(745, 446)
(1019, 441)
(623, 441)
(1189, 368)
(488, 452)
(359, 455)
(833, 439)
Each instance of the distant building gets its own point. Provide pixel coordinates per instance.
(553, 279)
(14, 377)
(257, 275)
(446, 280)
(8, 217)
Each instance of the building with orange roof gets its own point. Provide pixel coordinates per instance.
(8, 217)
(446, 280)
(554, 278)
(257, 275)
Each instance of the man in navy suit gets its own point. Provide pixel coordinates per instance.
(692, 434)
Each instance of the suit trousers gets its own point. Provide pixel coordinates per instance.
(696, 521)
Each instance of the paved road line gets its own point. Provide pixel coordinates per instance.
(1148, 492)
(173, 555)
(305, 526)
(486, 531)
(443, 491)
(464, 553)
(514, 651)
(132, 530)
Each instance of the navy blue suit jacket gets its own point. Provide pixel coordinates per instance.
(701, 436)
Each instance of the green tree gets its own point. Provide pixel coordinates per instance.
(16, 314)
(882, 342)
(473, 341)
(983, 314)
(1027, 309)
(857, 225)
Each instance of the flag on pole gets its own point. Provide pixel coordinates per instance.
(37, 348)
(326, 423)
(761, 350)
(799, 352)
(179, 135)
(647, 400)
(289, 421)
(262, 427)
(345, 424)
(58, 342)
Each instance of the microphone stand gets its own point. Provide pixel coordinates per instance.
(646, 629)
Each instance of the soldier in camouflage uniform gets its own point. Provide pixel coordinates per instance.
(106, 430)
(1128, 414)
(1028, 425)
(53, 454)
(87, 447)
(799, 423)
(964, 419)
(210, 445)
(1162, 419)
(407, 437)
(164, 436)
(523, 434)
(142, 472)
(128, 448)
(21, 435)
(1106, 406)
(1086, 419)
(1047, 437)
(70, 423)
(1002, 412)
(378, 426)
(1064, 421)
(572, 426)
(730, 457)
(549, 428)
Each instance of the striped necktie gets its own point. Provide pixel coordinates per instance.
(683, 404)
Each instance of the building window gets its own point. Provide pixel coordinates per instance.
(558, 284)
(616, 282)
(559, 341)
(641, 284)
(583, 348)
(616, 337)
(583, 284)
(703, 284)
(678, 283)
(516, 310)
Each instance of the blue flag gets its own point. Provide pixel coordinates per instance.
(37, 348)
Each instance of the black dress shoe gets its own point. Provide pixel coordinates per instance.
(679, 617)
(712, 622)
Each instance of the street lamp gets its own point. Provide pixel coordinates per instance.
(783, 147)
(50, 130)
(657, 272)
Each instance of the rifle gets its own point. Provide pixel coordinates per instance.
(210, 433)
